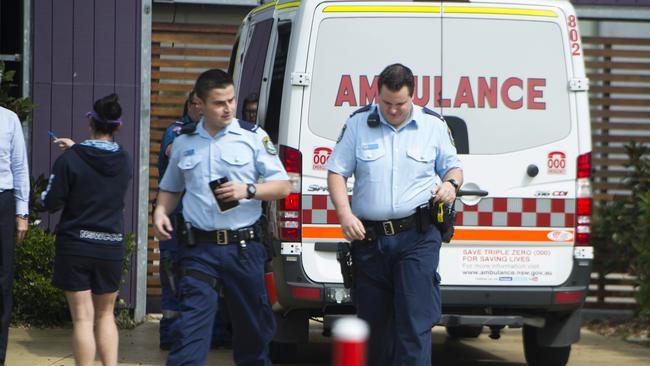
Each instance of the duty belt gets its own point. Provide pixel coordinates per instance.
(225, 237)
(389, 227)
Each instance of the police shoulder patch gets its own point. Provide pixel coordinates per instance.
(268, 146)
(451, 136)
(342, 133)
(362, 109)
(248, 125)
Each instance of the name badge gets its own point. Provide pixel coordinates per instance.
(189, 152)
(370, 146)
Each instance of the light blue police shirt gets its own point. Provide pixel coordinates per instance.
(394, 170)
(234, 152)
(14, 173)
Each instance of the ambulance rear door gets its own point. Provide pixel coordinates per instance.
(350, 44)
(506, 71)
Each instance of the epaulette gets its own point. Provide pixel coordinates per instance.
(188, 128)
(432, 113)
(248, 125)
(362, 109)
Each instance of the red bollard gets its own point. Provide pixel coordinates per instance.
(349, 347)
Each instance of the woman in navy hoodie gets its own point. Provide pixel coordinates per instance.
(89, 182)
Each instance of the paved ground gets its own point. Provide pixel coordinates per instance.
(51, 347)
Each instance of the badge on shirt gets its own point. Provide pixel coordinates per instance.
(342, 133)
(268, 146)
(451, 138)
(189, 152)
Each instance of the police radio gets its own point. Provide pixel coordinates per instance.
(373, 119)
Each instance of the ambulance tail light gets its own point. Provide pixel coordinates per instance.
(307, 293)
(583, 200)
(289, 208)
(568, 297)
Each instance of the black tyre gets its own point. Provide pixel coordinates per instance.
(283, 352)
(464, 331)
(537, 355)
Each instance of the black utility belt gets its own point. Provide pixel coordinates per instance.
(225, 237)
(391, 227)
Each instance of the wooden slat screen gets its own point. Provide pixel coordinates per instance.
(179, 53)
(619, 74)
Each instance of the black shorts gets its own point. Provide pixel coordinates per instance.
(74, 273)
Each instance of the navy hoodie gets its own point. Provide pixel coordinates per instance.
(90, 184)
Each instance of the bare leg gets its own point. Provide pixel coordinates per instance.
(83, 339)
(106, 330)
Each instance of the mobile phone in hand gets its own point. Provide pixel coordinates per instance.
(223, 205)
(52, 135)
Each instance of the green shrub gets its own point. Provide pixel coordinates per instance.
(621, 228)
(643, 248)
(21, 106)
(36, 301)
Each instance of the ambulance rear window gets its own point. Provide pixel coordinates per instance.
(506, 80)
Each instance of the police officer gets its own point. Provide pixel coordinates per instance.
(169, 248)
(396, 152)
(221, 250)
(249, 112)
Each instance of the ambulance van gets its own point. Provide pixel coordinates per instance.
(509, 78)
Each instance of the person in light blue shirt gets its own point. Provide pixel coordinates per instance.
(397, 153)
(14, 210)
(221, 250)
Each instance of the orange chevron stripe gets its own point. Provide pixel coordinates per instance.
(506, 235)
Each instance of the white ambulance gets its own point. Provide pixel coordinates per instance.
(509, 78)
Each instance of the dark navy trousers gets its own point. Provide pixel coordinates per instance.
(397, 291)
(242, 276)
(7, 247)
(170, 304)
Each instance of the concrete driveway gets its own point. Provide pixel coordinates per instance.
(52, 347)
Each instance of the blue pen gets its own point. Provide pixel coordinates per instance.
(51, 134)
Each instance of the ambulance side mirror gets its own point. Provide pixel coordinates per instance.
(458, 129)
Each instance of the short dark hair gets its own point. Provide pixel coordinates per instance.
(252, 97)
(211, 79)
(187, 102)
(395, 77)
(107, 108)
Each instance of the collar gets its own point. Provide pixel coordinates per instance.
(102, 145)
(232, 127)
(416, 114)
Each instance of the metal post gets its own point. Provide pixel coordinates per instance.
(143, 166)
(27, 68)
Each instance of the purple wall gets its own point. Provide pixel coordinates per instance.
(83, 50)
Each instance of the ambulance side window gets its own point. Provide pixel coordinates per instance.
(458, 129)
(253, 67)
(272, 123)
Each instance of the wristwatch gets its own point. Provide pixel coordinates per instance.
(250, 191)
(24, 217)
(454, 183)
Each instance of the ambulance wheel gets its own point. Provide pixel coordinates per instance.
(537, 355)
(464, 331)
(281, 352)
